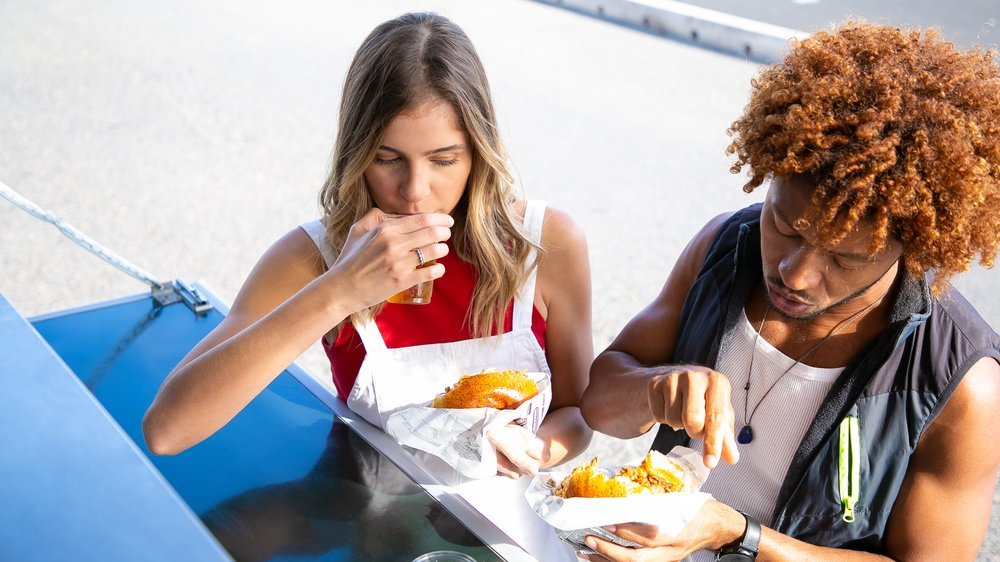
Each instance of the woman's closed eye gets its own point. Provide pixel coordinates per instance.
(395, 160)
(387, 161)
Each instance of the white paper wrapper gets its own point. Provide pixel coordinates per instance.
(458, 436)
(575, 518)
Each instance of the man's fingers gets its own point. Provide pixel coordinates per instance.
(693, 410)
(644, 535)
(697, 400)
(718, 420)
(608, 550)
(673, 390)
(714, 439)
(730, 450)
(611, 551)
(656, 399)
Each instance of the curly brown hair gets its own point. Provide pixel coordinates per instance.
(897, 127)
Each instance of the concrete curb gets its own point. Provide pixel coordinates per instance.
(743, 37)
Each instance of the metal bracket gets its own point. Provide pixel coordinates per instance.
(177, 291)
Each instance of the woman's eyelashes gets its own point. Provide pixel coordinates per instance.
(391, 161)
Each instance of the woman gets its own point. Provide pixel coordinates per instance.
(418, 175)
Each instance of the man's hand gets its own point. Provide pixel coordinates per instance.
(697, 400)
(715, 526)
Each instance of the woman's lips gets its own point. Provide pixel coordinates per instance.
(788, 305)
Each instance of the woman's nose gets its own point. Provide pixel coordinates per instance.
(416, 185)
(801, 269)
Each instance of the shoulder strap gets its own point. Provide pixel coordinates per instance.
(367, 330)
(370, 336)
(524, 304)
(317, 232)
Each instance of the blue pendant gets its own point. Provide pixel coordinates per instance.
(745, 436)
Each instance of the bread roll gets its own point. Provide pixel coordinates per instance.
(657, 474)
(502, 390)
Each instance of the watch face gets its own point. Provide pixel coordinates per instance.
(734, 557)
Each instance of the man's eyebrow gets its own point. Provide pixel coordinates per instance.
(847, 255)
(452, 148)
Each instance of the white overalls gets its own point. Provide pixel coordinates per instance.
(393, 379)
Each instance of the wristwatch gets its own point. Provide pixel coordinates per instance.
(746, 550)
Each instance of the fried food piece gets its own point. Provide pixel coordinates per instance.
(586, 482)
(657, 474)
(502, 390)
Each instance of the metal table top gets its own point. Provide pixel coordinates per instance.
(286, 479)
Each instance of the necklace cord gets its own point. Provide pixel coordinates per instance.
(833, 332)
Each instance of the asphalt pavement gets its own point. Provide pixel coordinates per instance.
(966, 22)
(189, 136)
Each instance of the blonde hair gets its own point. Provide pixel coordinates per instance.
(403, 62)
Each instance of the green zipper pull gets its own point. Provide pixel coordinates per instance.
(849, 465)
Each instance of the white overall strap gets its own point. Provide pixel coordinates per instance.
(370, 335)
(368, 331)
(317, 232)
(524, 304)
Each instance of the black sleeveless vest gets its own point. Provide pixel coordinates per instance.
(891, 390)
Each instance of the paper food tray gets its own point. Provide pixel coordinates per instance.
(575, 518)
(458, 436)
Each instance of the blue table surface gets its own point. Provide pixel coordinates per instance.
(74, 487)
(284, 480)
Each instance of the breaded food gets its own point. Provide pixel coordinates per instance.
(502, 390)
(657, 474)
(586, 482)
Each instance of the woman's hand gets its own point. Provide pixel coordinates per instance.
(379, 259)
(519, 452)
(715, 526)
(697, 400)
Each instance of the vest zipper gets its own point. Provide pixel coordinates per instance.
(849, 465)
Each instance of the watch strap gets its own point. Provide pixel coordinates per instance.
(748, 545)
(751, 536)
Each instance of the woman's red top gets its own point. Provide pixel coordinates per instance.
(443, 320)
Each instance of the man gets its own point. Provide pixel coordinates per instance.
(818, 329)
